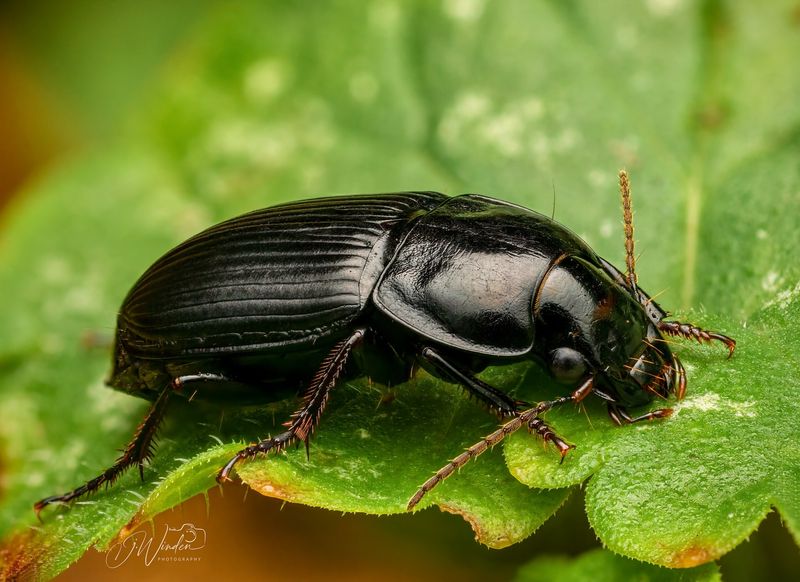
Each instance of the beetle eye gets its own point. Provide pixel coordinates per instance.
(567, 365)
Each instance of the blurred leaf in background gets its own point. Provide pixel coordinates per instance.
(194, 112)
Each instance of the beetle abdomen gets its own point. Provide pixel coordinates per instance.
(283, 275)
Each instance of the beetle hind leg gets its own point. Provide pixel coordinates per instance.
(303, 422)
(139, 450)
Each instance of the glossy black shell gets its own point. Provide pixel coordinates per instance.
(461, 272)
(271, 278)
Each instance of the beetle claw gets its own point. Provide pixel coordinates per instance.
(222, 475)
(563, 448)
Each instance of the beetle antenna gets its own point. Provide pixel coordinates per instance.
(553, 213)
(627, 216)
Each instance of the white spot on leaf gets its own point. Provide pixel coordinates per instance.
(627, 37)
(265, 80)
(606, 229)
(771, 282)
(704, 402)
(784, 298)
(384, 15)
(54, 269)
(711, 401)
(364, 87)
(599, 178)
(464, 10)
(663, 8)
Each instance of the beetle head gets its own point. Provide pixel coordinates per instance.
(591, 324)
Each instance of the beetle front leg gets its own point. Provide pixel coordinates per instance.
(619, 415)
(305, 420)
(497, 400)
(528, 417)
(690, 331)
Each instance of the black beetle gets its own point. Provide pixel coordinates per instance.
(455, 284)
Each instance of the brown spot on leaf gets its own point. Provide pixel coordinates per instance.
(693, 556)
(136, 521)
(794, 15)
(712, 115)
(387, 398)
(271, 489)
(22, 555)
(490, 539)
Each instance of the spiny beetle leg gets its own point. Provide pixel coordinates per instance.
(136, 452)
(303, 422)
(496, 399)
(539, 426)
(275, 444)
(526, 417)
(690, 331)
(142, 446)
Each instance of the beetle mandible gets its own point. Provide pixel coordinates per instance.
(454, 284)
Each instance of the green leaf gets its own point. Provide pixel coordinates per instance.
(602, 566)
(268, 102)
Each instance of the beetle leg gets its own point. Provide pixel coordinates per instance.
(689, 331)
(540, 427)
(528, 417)
(305, 420)
(497, 400)
(620, 416)
(136, 452)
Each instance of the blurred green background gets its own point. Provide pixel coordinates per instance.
(81, 75)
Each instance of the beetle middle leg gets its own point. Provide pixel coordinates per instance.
(305, 420)
(498, 401)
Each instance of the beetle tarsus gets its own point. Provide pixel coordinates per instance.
(691, 331)
(540, 427)
(274, 444)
